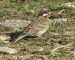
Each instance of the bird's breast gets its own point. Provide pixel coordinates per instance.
(42, 31)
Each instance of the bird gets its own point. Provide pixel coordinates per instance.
(37, 28)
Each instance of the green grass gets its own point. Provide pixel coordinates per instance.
(31, 7)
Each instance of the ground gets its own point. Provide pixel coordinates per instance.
(56, 44)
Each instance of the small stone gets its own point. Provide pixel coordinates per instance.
(70, 4)
(8, 50)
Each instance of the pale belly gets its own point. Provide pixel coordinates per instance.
(39, 33)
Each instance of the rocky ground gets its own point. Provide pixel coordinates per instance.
(58, 43)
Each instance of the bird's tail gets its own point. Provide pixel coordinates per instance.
(20, 37)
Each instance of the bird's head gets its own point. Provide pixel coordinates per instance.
(45, 13)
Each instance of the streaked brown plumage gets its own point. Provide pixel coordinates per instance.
(37, 27)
